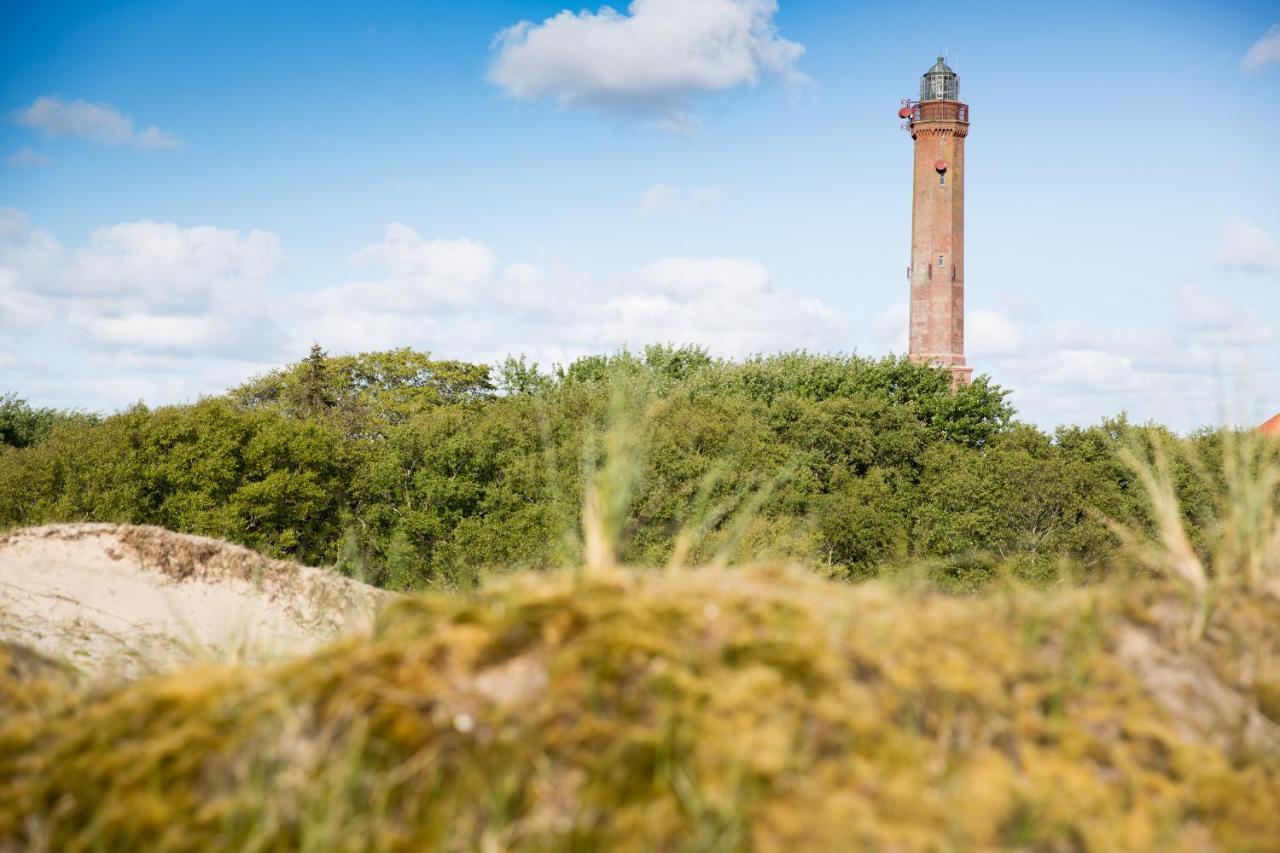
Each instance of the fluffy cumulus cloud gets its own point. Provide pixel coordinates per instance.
(165, 266)
(725, 304)
(1265, 51)
(647, 62)
(454, 296)
(1205, 354)
(1202, 362)
(56, 116)
(1097, 371)
(425, 274)
(991, 333)
(141, 305)
(1245, 246)
(1206, 358)
(143, 288)
(164, 312)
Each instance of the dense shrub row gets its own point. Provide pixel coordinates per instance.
(417, 472)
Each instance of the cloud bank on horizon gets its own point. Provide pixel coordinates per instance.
(148, 295)
(648, 63)
(144, 298)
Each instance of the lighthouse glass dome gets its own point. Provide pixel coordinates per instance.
(940, 83)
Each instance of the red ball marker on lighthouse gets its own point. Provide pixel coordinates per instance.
(941, 165)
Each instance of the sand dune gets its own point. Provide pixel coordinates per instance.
(124, 600)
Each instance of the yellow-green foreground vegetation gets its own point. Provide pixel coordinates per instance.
(687, 709)
(761, 707)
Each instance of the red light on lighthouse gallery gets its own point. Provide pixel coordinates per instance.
(905, 112)
(941, 165)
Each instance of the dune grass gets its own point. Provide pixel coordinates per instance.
(714, 708)
(691, 709)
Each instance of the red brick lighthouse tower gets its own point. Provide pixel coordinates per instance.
(938, 123)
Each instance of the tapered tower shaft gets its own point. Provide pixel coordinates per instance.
(938, 123)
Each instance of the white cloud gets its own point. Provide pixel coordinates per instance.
(648, 62)
(18, 308)
(1214, 320)
(219, 332)
(677, 122)
(169, 266)
(1093, 371)
(661, 198)
(658, 197)
(426, 273)
(28, 159)
(56, 116)
(991, 333)
(1265, 51)
(155, 310)
(144, 286)
(455, 297)
(891, 329)
(13, 223)
(726, 304)
(1247, 247)
(141, 297)
(1192, 366)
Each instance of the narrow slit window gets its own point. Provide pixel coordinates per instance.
(942, 179)
(942, 261)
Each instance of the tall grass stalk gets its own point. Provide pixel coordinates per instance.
(1241, 543)
(608, 484)
(742, 519)
(612, 467)
(1249, 524)
(704, 516)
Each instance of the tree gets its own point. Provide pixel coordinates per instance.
(315, 391)
(368, 393)
(21, 425)
(863, 524)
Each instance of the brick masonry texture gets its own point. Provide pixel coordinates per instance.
(937, 237)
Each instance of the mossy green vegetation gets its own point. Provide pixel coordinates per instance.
(31, 682)
(1128, 701)
(710, 709)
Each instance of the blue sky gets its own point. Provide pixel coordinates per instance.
(193, 192)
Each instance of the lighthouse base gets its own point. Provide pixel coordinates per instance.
(960, 376)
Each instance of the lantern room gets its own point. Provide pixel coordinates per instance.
(940, 83)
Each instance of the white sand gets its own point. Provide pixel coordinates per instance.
(123, 600)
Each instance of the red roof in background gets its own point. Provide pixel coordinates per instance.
(1271, 427)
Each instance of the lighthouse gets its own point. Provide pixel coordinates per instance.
(938, 123)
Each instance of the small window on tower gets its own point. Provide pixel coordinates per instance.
(942, 179)
(942, 261)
